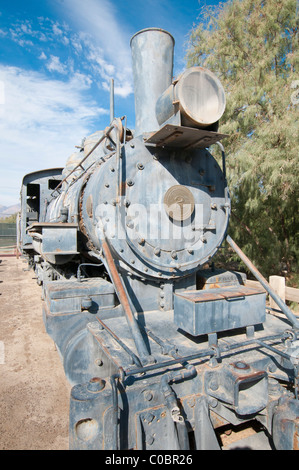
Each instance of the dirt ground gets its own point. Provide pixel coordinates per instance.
(34, 394)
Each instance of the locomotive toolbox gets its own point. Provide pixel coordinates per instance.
(207, 311)
(161, 352)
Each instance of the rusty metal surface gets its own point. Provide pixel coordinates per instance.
(184, 137)
(40, 225)
(123, 298)
(219, 293)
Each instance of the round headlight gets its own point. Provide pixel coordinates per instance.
(197, 94)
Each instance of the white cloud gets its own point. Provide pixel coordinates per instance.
(26, 28)
(57, 30)
(41, 121)
(65, 40)
(54, 65)
(103, 34)
(101, 44)
(2, 92)
(16, 34)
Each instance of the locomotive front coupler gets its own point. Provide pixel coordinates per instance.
(188, 372)
(171, 401)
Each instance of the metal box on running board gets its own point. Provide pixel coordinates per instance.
(220, 309)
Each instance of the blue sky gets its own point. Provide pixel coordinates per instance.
(56, 61)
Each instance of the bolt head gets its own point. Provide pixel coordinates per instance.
(148, 395)
(96, 384)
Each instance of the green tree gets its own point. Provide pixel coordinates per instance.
(9, 220)
(252, 46)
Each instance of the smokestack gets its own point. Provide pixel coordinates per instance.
(152, 57)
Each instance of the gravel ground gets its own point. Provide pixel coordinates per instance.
(34, 403)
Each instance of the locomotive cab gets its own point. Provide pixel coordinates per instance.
(35, 196)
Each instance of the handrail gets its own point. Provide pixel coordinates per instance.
(284, 308)
(120, 291)
(104, 136)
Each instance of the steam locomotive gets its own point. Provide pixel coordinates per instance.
(161, 349)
